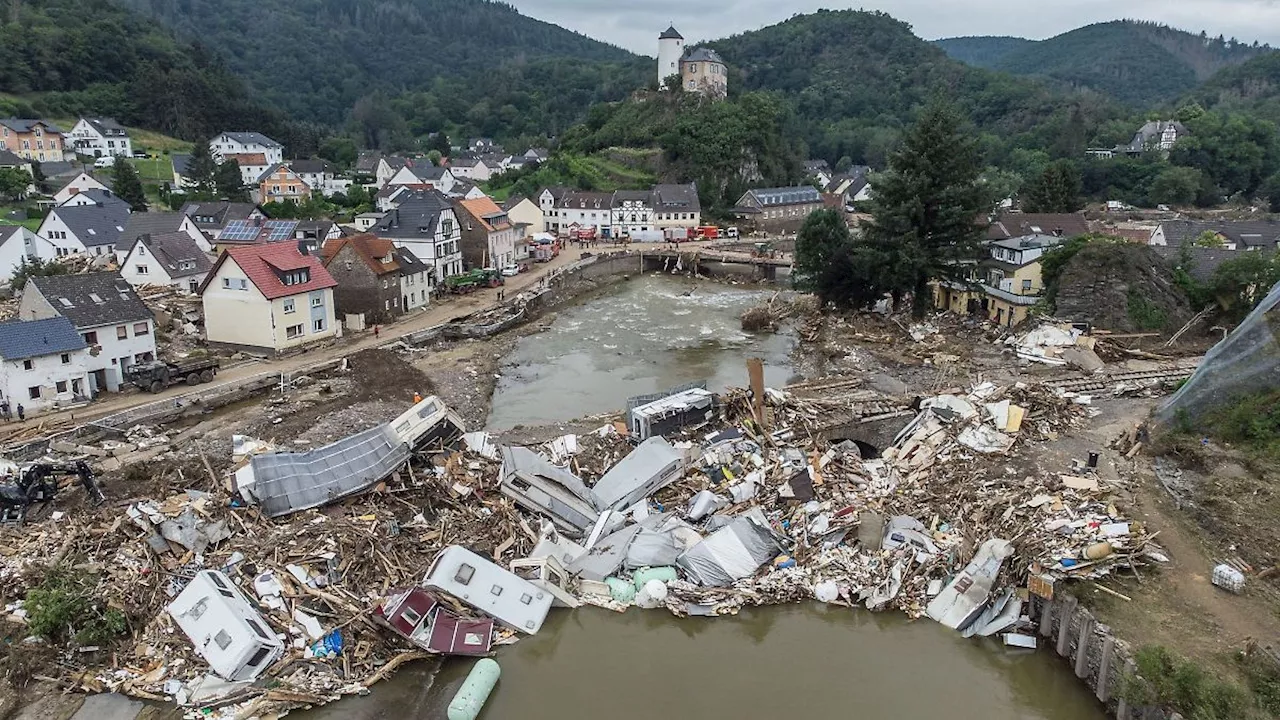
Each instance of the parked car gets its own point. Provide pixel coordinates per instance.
(511, 271)
(105, 161)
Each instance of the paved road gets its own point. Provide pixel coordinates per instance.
(439, 312)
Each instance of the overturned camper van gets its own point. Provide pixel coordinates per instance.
(489, 588)
(285, 482)
(224, 627)
(652, 415)
(653, 465)
(537, 485)
(420, 617)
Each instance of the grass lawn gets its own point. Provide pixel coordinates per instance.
(154, 142)
(155, 170)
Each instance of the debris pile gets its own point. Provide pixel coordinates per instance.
(744, 502)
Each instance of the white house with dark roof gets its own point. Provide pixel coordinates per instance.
(321, 176)
(213, 217)
(631, 211)
(17, 244)
(43, 365)
(246, 143)
(676, 206)
(422, 175)
(477, 167)
(160, 223)
(100, 137)
(92, 229)
(93, 197)
(110, 317)
(425, 222)
(171, 259)
(389, 165)
(75, 185)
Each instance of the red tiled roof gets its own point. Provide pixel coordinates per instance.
(369, 247)
(260, 262)
(482, 208)
(252, 159)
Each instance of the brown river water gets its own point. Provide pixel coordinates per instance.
(797, 661)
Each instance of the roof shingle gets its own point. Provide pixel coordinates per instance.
(265, 265)
(92, 300)
(22, 339)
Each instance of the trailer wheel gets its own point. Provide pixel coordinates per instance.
(206, 376)
(193, 379)
(156, 387)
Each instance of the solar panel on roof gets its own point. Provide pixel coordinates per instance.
(278, 230)
(240, 230)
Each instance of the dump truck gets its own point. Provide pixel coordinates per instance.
(473, 280)
(158, 375)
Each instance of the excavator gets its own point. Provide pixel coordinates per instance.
(37, 484)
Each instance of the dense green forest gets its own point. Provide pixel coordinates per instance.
(1139, 63)
(1253, 88)
(314, 59)
(73, 57)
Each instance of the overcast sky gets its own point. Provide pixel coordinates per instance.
(635, 24)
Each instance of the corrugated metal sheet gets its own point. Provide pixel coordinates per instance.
(288, 482)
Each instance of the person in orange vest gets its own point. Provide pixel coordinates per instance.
(417, 397)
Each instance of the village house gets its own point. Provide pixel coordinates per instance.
(77, 184)
(389, 166)
(252, 167)
(703, 71)
(1005, 284)
(268, 299)
(375, 278)
(366, 221)
(819, 171)
(313, 234)
(488, 236)
(18, 244)
(676, 206)
(476, 167)
(32, 139)
(320, 176)
(367, 162)
(158, 223)
(427, 225)
(93, 229)
(422, 175)
(101, 137)
(483, 145)
(245, 143)
(256, 231)
(9, 161)
(1228, 234)
(108, 314)
(567, 211)
(524, 213)
(211, 218)
(94, 197)
(466, 190)
(778, 209)
(280, 183)
(851, 187)
(181, 181)
(1154, 136)
(1016, 224)
(42, 365)
(168, 259)
(631, 211)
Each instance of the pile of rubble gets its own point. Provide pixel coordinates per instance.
(698, 503)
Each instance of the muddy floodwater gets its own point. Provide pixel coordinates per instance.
(640, 336)
(797, 661)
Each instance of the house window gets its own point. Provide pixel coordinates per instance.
(66, 358)
(412, 616)
(464, 574)
(319, 325)
(122, 332)
(61, 386)
(289, 306)
(293, 331)
(317, 301)
(222, 639)
(141, 329)
(527, 599)
(142, 269)
(496, 590)
(91, 337)
(28, 365)
(1026, 286)
(258, 656)
(33, 392)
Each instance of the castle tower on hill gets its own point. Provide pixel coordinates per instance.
(670, 50)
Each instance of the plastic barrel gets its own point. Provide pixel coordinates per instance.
(466, 705)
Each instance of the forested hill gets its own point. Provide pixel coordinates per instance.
(1139, 63)
(855, 78)
(69, 57)
(315, 58)
(1253, 87)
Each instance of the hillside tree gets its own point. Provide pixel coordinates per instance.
(1055, 190)
(127, 185)
(201, 169)
(14, 183)
(927, 208)
(227, 183)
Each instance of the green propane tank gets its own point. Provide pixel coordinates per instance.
(475, 690)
